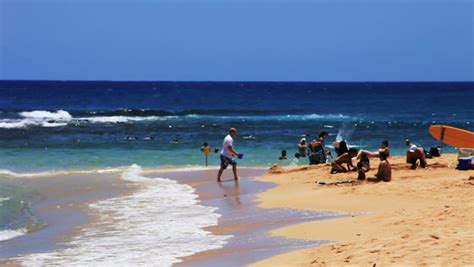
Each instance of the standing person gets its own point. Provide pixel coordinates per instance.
(227, 154)
(316, 151)
(206, 150)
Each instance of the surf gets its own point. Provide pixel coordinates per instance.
(161, 222)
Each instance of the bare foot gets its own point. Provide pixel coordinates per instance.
(219, 180)
(236, 178)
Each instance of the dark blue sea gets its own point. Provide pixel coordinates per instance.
(62, 125)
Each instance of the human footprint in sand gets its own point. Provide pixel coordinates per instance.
(227, 154)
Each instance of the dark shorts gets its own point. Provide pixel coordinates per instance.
(225, 161)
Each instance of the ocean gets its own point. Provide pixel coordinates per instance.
(63, 127)
(111, 124)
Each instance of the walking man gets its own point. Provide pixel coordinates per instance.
(227, 154)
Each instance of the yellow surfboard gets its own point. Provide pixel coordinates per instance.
(453, 136)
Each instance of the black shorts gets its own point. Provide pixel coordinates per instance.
(225, 161)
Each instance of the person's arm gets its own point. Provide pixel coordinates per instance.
(350, 167)
(234, 152)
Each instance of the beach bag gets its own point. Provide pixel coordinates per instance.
(435, 151)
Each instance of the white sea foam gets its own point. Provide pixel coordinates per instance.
(289, 117)
(53, 172)
(12, 124)
(154, 226)
(60, 118)
(37, 118)
(123, 119)
(9, 234)
(42, 114)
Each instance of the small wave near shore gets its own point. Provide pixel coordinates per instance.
(159, 223)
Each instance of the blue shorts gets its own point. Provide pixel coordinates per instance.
(225, 161)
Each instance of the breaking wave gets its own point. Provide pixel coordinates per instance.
(61, 118)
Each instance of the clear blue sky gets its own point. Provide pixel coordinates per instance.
(330, 40)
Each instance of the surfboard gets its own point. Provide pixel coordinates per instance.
(453, 136)
(334, 182)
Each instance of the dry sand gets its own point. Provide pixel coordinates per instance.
(422, 217)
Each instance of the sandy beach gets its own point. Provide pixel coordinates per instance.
(421, 217)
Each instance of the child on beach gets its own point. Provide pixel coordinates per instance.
(361, 170)
(346, 158)
(384, 172)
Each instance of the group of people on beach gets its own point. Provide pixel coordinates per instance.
(345, 158)
(317, 153)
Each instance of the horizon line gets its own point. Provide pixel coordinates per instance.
(223, 81)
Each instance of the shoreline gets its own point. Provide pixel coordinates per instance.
(422, 216)
(63, 208)
(242, 218)
(329, 225)
(70, 196)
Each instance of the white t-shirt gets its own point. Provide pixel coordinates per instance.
(228, 141)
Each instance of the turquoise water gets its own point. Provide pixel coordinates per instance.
(16, 208)
(79, 125)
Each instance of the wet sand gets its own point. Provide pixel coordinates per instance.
(62, 208)
(242, 218)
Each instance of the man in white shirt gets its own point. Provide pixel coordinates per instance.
(227, 154)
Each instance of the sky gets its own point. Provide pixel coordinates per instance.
(229, 40)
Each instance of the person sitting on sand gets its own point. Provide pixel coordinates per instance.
(302, 148)
(316, 151)
(383, 148)
(336, 165)
(414, 154)
(384, 172)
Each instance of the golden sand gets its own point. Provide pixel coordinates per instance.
(421, 217)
